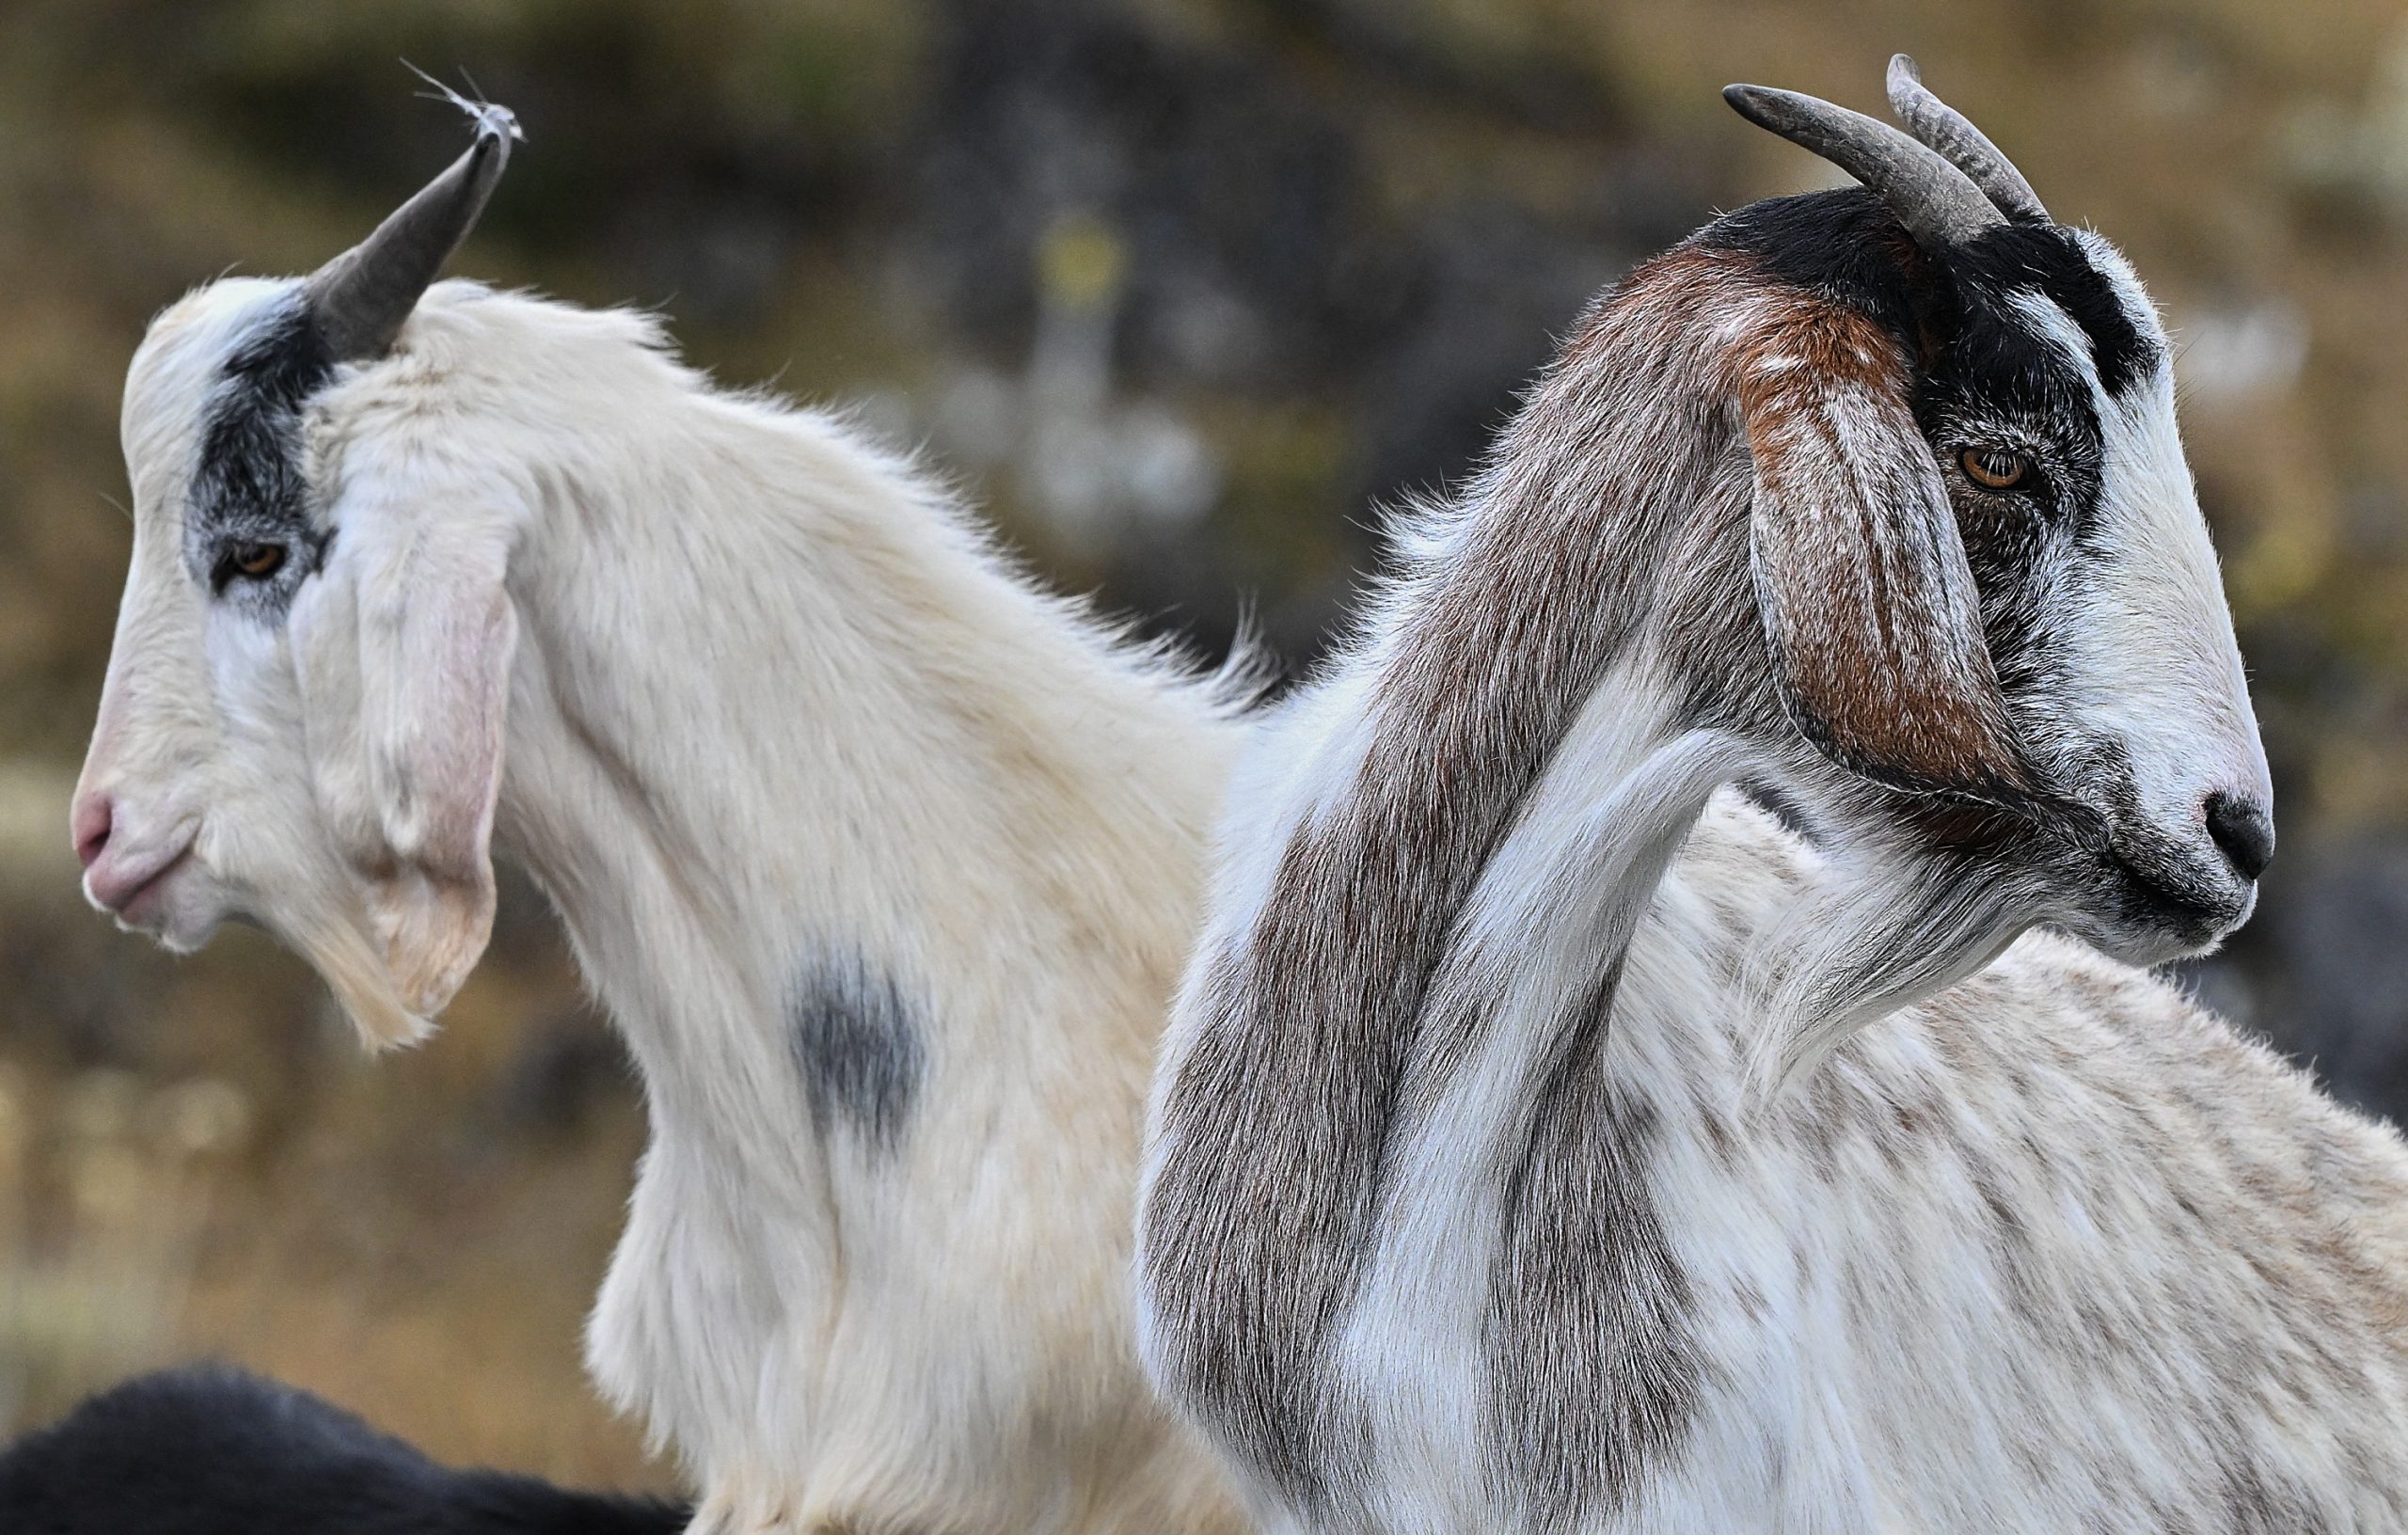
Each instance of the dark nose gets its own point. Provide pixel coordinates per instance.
(2239, 827)
(95, 814)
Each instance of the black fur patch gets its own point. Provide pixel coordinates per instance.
(1847, 246)
(1843, 245)
(1982, 377)
(211, 1450)
(2049, 260)
(248, 486)
(1774, 800)
(858, 1042)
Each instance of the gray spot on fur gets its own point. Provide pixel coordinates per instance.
(858, 1042)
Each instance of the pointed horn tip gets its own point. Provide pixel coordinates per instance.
(362, 297)
(491, 126)
(497, 121)
(497, 130)
(492, 120)
(1936, 200)
(1760, 105)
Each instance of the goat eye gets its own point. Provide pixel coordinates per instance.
(1994, 469)
(254, 562)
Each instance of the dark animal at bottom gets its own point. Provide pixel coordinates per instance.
(208, 1449)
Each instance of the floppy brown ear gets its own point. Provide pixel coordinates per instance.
(407, 682)
(1868, 603)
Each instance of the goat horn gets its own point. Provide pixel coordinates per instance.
(1945, 129)
(1939, 204)
(359, 299)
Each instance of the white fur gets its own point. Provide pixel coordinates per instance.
(767, 694)
(2157, 665)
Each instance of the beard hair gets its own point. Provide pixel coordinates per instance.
(331, 928)
(1885, 927)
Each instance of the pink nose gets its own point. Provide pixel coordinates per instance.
(95, 814)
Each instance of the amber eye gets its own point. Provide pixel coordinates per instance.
(257, 560)
(1994, 469)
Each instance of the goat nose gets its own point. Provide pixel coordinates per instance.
(2241, 829)
(95, 814)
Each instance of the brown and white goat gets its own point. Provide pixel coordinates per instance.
(1521, 1160)
(883, 863)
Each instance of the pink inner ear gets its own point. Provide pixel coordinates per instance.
(447, 711)
(440, 657)
(1868, 602)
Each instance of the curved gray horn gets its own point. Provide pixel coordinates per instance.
(361, 298)
(1939, 204)
(1970, 150)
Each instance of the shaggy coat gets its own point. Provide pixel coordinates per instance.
(883, 863)
(1473, 1201)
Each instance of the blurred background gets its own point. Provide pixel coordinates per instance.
(1182, 291)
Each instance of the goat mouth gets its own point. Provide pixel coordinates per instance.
(127, 905)
(2151, 885)
(2169, 898)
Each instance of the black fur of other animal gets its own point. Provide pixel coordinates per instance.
(207, 1450)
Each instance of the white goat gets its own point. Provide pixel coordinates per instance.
(884, 864)
(1460, 1214)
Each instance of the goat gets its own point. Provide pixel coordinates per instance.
(1521, 1159)
(206, 1449)
(883, 863)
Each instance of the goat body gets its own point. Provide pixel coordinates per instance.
(2054, 1250)
(206, 1449)
(885, 868)
(883, 864)
(1472, 1202)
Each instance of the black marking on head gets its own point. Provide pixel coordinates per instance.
(1843, 245)
(858, 1043)
(2052, 261)
(249, 485)
(1985, 377)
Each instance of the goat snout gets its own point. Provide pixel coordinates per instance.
(2242, 831)
(94, 818)
(123, 863)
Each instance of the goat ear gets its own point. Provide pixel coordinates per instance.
(1867, 601)
(407, 686)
